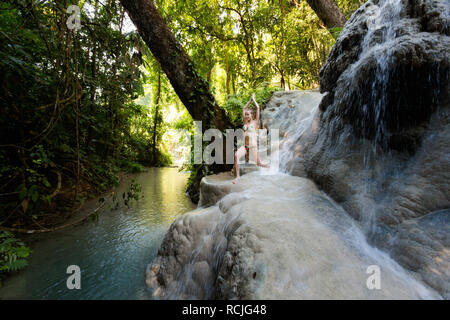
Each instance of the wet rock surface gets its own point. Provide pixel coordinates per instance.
(422, 245)
(273, 237)
(377, 145)
(388, 70)
(382, 147)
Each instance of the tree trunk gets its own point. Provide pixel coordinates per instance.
(192, 89)
(328, 12)
(155, 121)
(233, 82)
(208, 76)
(227, 71)
(282, 83)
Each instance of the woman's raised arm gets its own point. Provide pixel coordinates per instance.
(257, 108)
(245, 107)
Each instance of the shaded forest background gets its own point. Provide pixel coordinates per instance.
(80, 106)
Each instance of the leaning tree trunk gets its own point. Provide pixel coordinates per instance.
(328, 12)
(192, 89)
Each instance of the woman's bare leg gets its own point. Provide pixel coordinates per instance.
(259, 163)
(237, 156)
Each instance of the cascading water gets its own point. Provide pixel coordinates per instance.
(381, 150)
(382, 28)
(268, 234)
(211, 252)
(292, 113)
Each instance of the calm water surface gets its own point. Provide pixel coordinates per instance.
(112, 252)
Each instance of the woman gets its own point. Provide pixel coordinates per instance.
(251, 126)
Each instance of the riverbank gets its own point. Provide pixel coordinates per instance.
(61, 220)
(86, 211)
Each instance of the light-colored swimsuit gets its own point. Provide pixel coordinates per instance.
(252, 133)
(250, 128)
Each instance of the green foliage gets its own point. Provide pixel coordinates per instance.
(13, 253)
(336, 31)
(241, 44)
(78, 107)
(133, 193)
(67, 105)
(165, 159)
(349, 6)
(132, 167)
(236, 102)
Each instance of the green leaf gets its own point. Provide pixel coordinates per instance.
(46, 183)
(335, 31)
(18, 264)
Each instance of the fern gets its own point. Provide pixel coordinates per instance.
(12, 253)
(18, 264)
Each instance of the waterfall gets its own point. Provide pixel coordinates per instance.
(377, 44)
(224, 251)
(360, 142)
(381, 150)
(293, 114)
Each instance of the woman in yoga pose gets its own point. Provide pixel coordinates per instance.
(250, 147)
